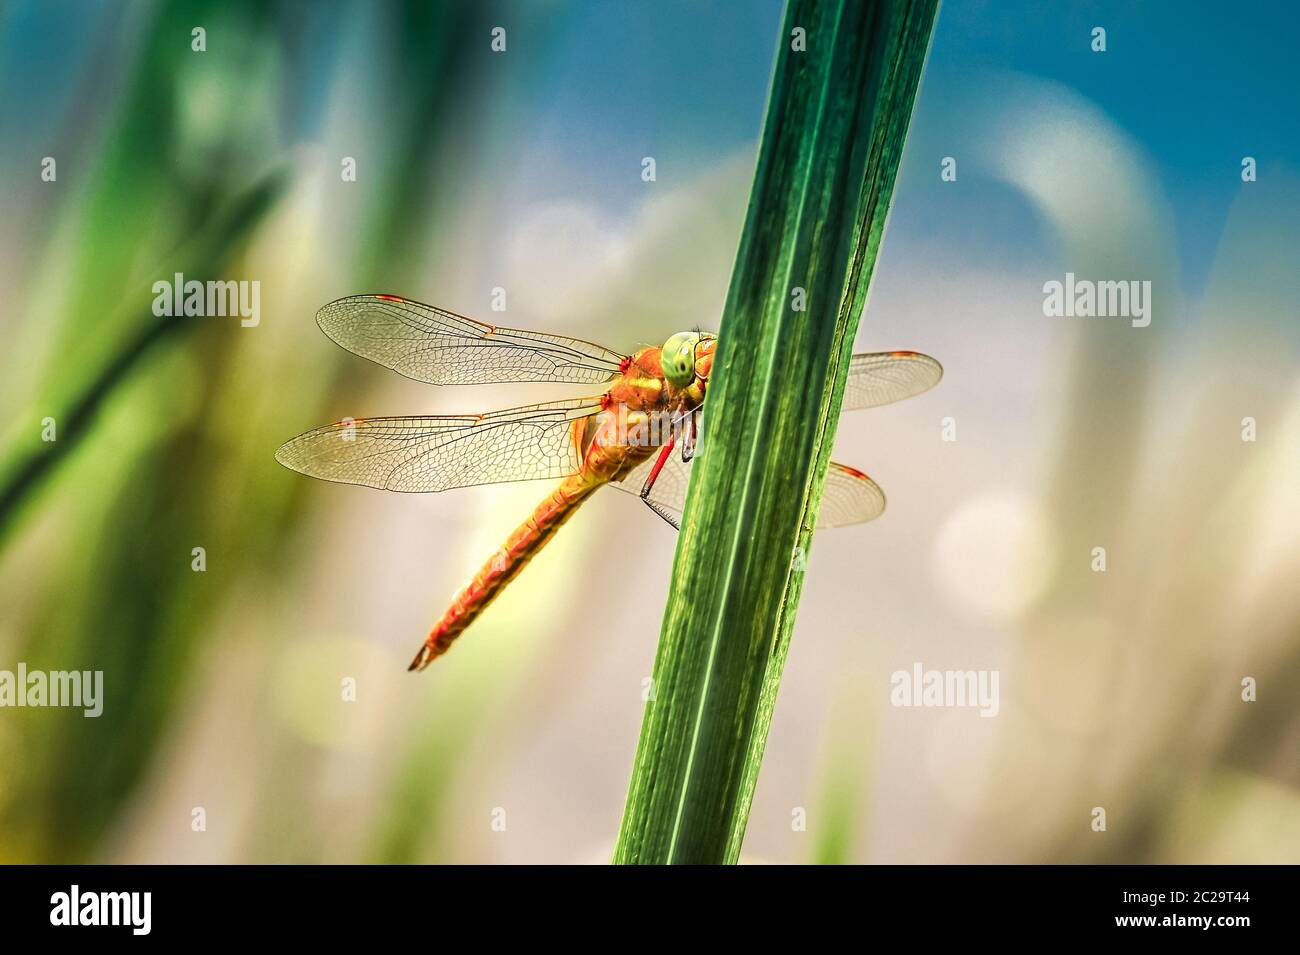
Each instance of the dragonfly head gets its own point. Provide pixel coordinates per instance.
(687, 357)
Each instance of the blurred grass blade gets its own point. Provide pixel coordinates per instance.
(836, 122)
(837, 818)
(205, 256)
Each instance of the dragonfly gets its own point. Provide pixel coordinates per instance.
(639, 434)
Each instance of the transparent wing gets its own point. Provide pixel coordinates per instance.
(878, 378)
(434, 345)
(668, 496)
(433, 453)
(850, 496)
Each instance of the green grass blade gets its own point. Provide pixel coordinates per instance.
(207, 254)
(836, 122)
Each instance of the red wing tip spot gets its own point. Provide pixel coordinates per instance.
(853, 471)
(388, 298)
(902, 354)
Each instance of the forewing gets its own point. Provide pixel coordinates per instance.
(434, 345)
(434, 453)
(879, 378)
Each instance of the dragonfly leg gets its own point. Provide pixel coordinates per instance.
(690, 437)
(664, 452)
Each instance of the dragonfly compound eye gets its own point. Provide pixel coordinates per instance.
(678, 359)
(704, 357)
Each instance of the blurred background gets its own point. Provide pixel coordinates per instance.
(522, 170)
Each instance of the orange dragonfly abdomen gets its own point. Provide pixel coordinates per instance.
(522, 545)
(604, 458)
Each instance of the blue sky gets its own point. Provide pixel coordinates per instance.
(1195, 86)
